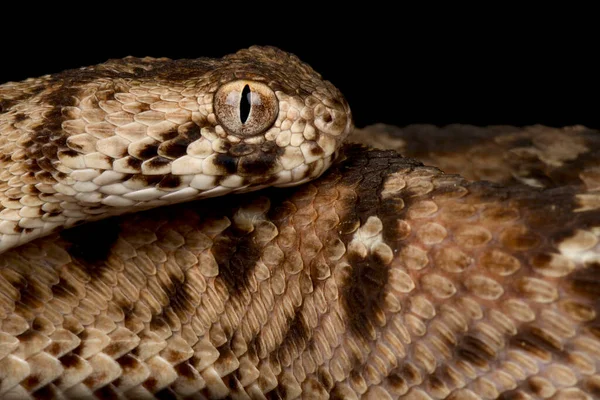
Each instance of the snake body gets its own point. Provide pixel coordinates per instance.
(382, 278)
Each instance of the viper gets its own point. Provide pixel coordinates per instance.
(354, 272)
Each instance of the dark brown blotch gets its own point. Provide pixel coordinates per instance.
(62, 96)
(70, 153)
(165, 394)
(475, 351)
(363, 291)
(297, 332)
(70, 360)
(149, 151)
(50, 151)
(63, 289)
(46, 164)
(133, 163)
(158, 162)
(151, 384)
(316, 150)
(146, 180)
(257, 163)
(47, 392)
(185, 370)
(170, 181)
(592, 385)
(241, 149)
(91, 243)
(19, 117)
(168, 135)
(107, 392)
(179, 299)
(175, 148)
(191, 132)
(226, 163)
(538, 343)
(236, 254)
(586, 281)
(31, 381)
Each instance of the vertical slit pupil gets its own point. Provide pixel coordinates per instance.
(245, 104)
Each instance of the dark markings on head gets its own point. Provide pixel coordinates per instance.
(91, 243)
(190, 132)
(133, 163)
(226, 163)
(241, 149)
(170, 134)
(262, 161)
(149, 151)
(175, 148)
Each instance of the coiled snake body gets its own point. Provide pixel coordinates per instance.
(382, 278)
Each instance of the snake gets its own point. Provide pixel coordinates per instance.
(218, 228)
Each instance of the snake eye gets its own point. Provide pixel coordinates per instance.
(246, 108)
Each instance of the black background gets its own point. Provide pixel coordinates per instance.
(391, 70)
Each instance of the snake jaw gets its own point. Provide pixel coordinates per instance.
(134, 134)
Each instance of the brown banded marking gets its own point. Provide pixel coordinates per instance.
(91, 136)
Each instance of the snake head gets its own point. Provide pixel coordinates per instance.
(267, 119)
(138, 133)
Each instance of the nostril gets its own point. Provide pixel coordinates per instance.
(327, 118)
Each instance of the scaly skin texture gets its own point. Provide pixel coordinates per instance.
(135, 134)
(537, 156)
(382, 279)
